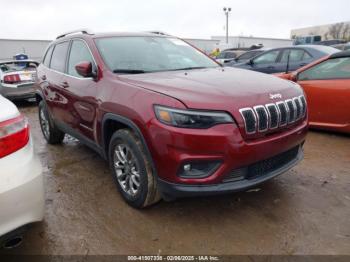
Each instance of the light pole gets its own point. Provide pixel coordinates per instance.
(227, 10)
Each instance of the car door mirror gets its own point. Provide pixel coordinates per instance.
(85, 69)
(294, 77)
(251, 62)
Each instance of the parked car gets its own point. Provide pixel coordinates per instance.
(245, 57)
(21, 180)
(226, 56)
(342, 47)
(327, 87)
(332, 42)
(17, 78)
(170, 121)
(286, 59)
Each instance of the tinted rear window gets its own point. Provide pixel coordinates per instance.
(58, 60)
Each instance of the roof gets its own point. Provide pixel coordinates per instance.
(340, 54)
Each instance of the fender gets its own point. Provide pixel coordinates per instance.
(133, 127)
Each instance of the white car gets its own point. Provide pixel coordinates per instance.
(17, 79)
(21, 179)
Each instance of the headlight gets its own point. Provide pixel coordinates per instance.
(191, 118)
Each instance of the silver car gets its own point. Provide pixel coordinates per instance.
(17, 78)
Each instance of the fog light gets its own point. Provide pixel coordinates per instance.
(198, 169)
(187, 167)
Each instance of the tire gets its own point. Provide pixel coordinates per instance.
(133, 176)
(50, 131)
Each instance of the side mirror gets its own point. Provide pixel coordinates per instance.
(293, 77)
(85, 69)
(251, 62)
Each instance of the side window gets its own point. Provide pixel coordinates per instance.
(58, 60)
(337, 68)
(267, 58)
(79, 52)
(295, 55)
(47, 58)
(230, 55)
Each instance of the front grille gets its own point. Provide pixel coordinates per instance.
(263, 167)
(262, 118)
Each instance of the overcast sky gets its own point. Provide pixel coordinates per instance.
(45, 19)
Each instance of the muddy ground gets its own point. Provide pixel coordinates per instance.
(304, 211)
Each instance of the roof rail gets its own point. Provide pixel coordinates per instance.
(158, 33)
(82, 31)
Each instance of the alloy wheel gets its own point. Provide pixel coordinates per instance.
(127, 169)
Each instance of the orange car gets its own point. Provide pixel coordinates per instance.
(326, 83)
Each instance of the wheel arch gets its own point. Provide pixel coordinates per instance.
(113, 122)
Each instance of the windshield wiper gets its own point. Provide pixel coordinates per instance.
(129, 71)
(189, 68)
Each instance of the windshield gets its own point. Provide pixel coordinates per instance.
(136, 54)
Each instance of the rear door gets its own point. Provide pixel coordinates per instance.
(327, 86)
(266, 62)
(50, 74)
(80, 91)
(297, 59)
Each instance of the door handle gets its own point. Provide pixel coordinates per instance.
(43, 77)
(65, 84)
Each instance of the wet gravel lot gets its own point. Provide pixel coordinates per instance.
(304, 211)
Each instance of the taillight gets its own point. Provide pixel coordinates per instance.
(14, 135)
(11, 79)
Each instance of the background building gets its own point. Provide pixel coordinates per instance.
(206, 45)
(327, 32)
(245, 41)
(33, 48)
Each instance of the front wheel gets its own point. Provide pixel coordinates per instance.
(50, 132)
(131, 170)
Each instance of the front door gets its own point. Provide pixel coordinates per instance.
(81, 92)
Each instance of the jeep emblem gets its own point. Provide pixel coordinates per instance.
(275, 96)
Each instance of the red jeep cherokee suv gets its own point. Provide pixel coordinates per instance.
(170, 121)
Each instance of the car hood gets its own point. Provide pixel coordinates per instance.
(226, 89)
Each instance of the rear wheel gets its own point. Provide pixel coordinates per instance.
(51, 133)
(131, 170)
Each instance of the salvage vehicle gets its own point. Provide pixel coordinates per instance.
(17, 78)
(171, 121)
(327, 86)
(21, 180)
(286, 59)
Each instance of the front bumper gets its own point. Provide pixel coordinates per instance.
(172, 190)
(21, 92)
(21, 190)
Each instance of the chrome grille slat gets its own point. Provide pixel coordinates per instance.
(250, 121)
(262, 118)
(274, 115)
(303, 102)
